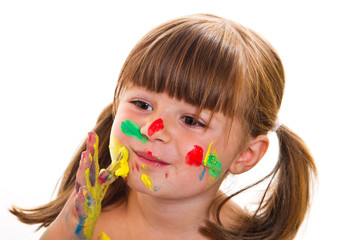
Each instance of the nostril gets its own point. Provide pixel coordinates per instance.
(156, 126)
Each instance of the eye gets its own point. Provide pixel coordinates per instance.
(142, 105)
(190, 121)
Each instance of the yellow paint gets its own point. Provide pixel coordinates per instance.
(207, 154)
(211, 180)
(147, 181)
(121, 165)
(92, 211)
(103, 236)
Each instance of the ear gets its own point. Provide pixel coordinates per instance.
(251, 155)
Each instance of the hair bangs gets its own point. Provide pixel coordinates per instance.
(191, 62)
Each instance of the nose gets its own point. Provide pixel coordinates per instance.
(156, 130)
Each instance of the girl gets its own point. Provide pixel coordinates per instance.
(194, 102)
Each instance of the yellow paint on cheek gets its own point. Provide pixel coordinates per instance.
(212, 163)
(147, 181)
(207, 154)
(123, 168)
(121, 165)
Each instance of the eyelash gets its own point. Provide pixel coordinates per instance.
(140, 104)
(192, 123)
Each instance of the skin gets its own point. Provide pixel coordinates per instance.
(92, 185)
(78, 218)
(181, 187)
(179, 199)
(172, 143)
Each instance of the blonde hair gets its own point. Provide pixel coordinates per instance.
(216, 64)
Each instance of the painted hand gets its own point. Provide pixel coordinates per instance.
(91, 187)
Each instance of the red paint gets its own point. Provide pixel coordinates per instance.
(91, 142)
(194, 157)
(126, 180)
(156, 126)
(137, 167)
(150, 153)
(166, 175)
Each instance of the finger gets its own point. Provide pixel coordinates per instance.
(92, 148)
(83, 166)
(80, 201)
(117, 168)
(106, 177)
(92, 143)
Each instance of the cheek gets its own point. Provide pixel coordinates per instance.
(208, 159)
(195, 156)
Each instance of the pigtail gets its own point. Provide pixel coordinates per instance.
(286, 208)
(284, 203)
(46, 214)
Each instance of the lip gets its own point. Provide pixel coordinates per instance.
(146, 158)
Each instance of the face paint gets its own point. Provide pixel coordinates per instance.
(133, 130)
(156, 126)
(212, 163)
(214, 166)
(120, 152)
(147, 181)
(194, 157)
(202, 174)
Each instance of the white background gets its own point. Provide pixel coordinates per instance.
(59, 61)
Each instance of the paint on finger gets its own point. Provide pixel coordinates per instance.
(92, 143)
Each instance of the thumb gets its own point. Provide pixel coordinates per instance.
(117, 168)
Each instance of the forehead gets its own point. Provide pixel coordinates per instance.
(192, 61)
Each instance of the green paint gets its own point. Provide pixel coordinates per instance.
(131, 129)
(214, 166)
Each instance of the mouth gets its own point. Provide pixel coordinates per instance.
(148, 158)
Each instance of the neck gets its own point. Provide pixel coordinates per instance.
(169, 217)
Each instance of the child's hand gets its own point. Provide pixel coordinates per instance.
(81, 211)
(91, 187)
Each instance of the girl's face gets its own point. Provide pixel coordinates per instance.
(170, 154)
